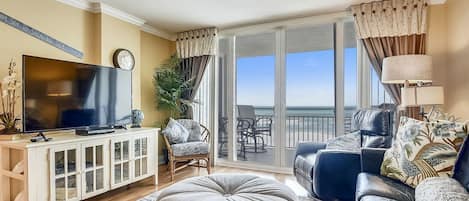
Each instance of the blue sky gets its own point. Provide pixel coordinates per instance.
(310, 79)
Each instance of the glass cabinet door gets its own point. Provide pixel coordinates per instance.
(120, 162)
(94, 171)
(140, 157)
(65, 179)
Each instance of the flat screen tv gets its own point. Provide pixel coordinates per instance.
(67, 95)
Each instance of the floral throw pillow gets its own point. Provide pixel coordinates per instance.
(175, 132)
(422, 150)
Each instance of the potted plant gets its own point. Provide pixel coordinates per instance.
(9, 96)
(169, 88)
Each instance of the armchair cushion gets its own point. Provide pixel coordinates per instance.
(375, 185)
(335, 174)
(375, 122)
(371, 159)
(194, 129)
(175, 132)
(190, 148)
(422, 150)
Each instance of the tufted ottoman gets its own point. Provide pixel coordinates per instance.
(227, 187)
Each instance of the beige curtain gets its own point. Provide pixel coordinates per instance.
(196, 48)
(196, 43)
(391, 28)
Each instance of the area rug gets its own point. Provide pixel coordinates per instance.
(154, 197)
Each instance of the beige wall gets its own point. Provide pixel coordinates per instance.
(96, 35)
(154, 51)
(117, 34)
(448, 43)
(458, 58)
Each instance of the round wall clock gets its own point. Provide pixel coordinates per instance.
(124, 59)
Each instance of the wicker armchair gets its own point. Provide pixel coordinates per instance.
(191, 152)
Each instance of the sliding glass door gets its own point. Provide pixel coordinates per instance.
(255, 98)
(310, 87)
(283, 86)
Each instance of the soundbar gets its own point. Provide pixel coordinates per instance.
(94, 131)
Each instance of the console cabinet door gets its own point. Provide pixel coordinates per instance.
(64, 163)
(120, 162)
(95, 168)
(141, 160)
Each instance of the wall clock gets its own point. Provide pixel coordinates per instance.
(124, 59)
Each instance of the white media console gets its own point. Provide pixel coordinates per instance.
(72, 167)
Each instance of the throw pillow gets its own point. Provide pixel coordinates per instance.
(422, 150)
(175, 132)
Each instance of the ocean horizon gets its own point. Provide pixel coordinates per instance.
(305, 110)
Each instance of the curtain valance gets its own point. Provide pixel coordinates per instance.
(390, 18)
(196, 43)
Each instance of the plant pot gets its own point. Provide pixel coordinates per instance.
(9, 131)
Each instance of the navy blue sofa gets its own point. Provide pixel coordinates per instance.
(329, 171)
(371, 186)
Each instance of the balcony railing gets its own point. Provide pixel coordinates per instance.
(312, 128)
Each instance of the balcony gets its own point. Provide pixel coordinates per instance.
(306, 127)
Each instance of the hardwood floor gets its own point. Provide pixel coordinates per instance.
(145, 187)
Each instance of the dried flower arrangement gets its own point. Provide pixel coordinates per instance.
(9, 98)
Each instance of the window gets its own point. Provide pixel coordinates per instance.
(350, 75)
(289, 76)
(378, 93)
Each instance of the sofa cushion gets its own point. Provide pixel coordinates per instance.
(438, 188)
(175, 132)
(304, 165)
(193, 127)
(376, 185)
(190, 148)
(422, 150)
(348, 142)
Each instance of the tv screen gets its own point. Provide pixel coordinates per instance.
(62, 95)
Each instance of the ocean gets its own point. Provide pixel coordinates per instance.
(305, 111)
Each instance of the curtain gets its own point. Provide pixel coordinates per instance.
(391, 28)
(196, 48)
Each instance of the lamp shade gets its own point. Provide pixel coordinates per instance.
(412, 68)
(416, 96)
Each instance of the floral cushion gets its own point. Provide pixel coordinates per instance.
(190, 148)
(193, 127)
(422, 150)
(175, 132)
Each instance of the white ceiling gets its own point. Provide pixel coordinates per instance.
(181, 15)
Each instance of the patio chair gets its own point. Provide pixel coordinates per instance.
(252, 126)
(223, 139)
(196, 148)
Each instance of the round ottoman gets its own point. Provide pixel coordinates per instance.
(227, 187)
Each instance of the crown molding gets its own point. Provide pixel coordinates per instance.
(98, 7)
(119, 14)
(81, 4)
(436, 2)
(158, 32)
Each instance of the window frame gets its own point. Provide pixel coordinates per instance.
(338, 20)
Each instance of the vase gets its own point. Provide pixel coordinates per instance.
(10, 128)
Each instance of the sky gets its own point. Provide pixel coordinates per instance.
(309, 79)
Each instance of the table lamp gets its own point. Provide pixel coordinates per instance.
(407, 69)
